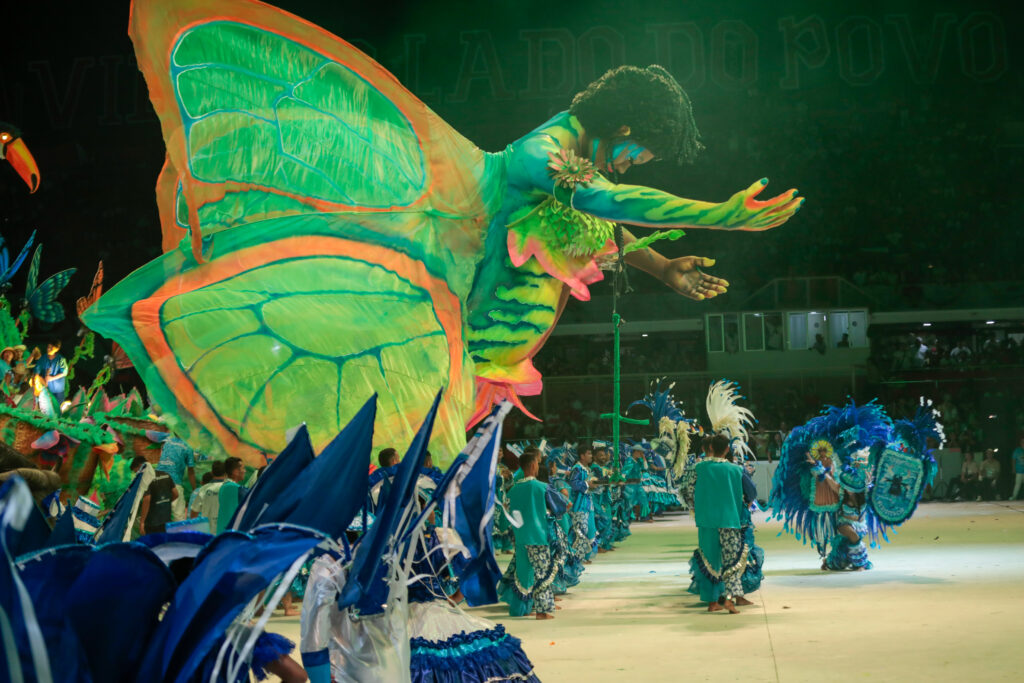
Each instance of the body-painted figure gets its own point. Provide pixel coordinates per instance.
(327, 236)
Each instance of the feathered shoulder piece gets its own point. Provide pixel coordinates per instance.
(902, 469)
(660, 402)
(726, 416)
(915, 432)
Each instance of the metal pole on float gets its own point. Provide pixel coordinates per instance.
(616, 415)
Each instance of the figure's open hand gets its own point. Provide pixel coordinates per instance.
(743, 212)
(685, 276)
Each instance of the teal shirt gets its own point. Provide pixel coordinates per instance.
(229, 499)
(718, 495)
(633, 468)
(527, 497)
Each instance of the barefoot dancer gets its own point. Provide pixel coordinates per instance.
(526, 585)
(718, 563)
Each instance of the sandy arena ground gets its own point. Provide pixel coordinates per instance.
(943, 603)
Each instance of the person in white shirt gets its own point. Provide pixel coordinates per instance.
(206, 501)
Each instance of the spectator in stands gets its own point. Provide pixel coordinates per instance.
(966, 485)
(990, 469)
(967, 441)
(919, 353)
(819, 344)
(1018, 468)
(960, 353)
(732, 341)
(774, 447)
(773, 336)
(950, 414)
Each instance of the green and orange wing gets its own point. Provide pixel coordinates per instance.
(335, 223)
(266, 115)
(276, 331)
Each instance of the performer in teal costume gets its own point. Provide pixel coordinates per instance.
(570, 567)
(527, 583)
(752, 574)
(584, 529)
(634, 469)
(718, 563)
(602, 498)
(503, 540)
(308, 201)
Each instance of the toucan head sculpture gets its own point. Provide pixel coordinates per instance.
(13, 149)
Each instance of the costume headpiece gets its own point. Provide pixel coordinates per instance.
(728, 418)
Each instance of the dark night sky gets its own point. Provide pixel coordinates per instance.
(904, 160)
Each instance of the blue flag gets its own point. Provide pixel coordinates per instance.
(275, 484)
(366, 582)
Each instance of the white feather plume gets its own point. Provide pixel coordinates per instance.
(682, 440)
(728, 418)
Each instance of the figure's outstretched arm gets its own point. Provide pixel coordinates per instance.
(683, 274)
(647, 207)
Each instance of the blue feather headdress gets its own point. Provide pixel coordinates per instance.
(660, 402)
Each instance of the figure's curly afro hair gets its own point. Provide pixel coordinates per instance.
(647, 100)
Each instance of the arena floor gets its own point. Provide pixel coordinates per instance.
(943, 602)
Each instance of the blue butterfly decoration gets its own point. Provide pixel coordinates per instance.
(8, 269)
(42, 299)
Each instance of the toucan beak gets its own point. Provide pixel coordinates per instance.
(21, 159)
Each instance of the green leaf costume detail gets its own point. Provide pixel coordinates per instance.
(563, 229)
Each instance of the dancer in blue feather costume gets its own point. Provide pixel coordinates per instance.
(851, 474)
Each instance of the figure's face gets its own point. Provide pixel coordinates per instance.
(19, 354)
(625, 154)
(586, 457)
(51, 350)
(601, 457)
(7, 356)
